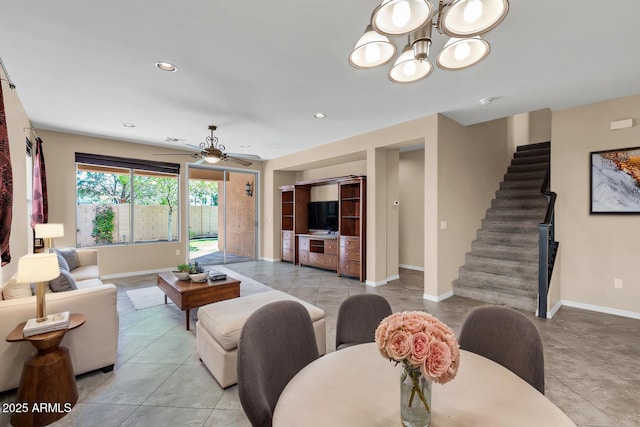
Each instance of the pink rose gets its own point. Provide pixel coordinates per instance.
(453, 368)
(381, 338)
(394, 322)
(419, 348)
(399, 345)
(438, 360)
(414, 321)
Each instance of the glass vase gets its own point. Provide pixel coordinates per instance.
(415, 398)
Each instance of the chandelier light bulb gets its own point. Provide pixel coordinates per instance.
(401, 14)
(462, 51)
(372, 53)
(409, 68)
(473, 11)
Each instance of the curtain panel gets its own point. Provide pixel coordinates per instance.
(6, 187)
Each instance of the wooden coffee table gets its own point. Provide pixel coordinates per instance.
(187, 294)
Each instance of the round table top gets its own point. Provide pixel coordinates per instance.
(358, 387)
(75, 320)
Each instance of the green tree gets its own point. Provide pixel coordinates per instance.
(103, 225)
(100, 187)
(203, 192)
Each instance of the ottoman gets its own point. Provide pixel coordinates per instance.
(219, 325)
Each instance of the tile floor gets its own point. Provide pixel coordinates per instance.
(592, 369)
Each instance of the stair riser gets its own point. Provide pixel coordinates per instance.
(519, 193)
(515, 214)
(521, 184)
(512, 281)
(531, 153)
(530, 159)
(509, 226)
(505, 252)
(523, 239)
(518, 302)
(534, 146)
(540, 203)
(522, 269)
(531, 167)
(524, 176)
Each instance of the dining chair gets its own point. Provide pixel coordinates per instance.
(507, 337)
(358, 318)
(276, 342)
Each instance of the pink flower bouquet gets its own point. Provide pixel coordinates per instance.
(420, 341)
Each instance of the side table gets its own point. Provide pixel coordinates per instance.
(48, 388)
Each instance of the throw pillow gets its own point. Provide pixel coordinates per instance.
(71, 256)
(62, 262)
(13, 290)
(64, 282)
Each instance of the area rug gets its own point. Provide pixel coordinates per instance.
(146, 297)
(151, 296)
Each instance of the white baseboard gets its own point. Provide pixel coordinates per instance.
(270, 259)
(375, 284)
(411, 267)
(601, 309)
(392, 278)
(437, 298)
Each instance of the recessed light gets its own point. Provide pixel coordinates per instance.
(166, 66)
(319, 115)
(244, 146)
(128, 125)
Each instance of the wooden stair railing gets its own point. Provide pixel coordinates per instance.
(548, 248)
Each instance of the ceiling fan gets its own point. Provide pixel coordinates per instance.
(211, 151)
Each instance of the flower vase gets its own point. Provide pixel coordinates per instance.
(415, 398)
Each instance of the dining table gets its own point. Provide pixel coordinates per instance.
(357, 386)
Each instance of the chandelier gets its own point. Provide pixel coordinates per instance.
(462, 20)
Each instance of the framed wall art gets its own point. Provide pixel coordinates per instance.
(615, 181)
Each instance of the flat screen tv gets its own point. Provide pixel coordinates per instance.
(323, 215)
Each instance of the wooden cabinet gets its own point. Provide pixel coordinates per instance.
(345, 254)
(352, 226)
(318, 251)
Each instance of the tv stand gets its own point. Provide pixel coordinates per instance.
(318, 250)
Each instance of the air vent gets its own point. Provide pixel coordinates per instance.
(169, 139)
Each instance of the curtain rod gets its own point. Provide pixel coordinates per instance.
(8, 79)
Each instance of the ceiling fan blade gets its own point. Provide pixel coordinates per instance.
(237, 160)
(172, 154)
(245, 156)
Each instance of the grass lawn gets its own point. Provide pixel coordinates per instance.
(203, 245)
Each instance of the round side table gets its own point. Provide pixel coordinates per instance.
(47, 389)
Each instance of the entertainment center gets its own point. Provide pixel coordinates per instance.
(326, 234)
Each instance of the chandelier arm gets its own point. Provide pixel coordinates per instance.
(441, 7)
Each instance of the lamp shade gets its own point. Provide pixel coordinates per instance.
(34, 268)
(49, 230)
(399, 17)
(468, 18)
(211, 159)
(372, 50)
(458, 54)
(407, 69)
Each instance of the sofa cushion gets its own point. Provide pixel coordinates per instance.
(224, 320)
(89, 283)
(85, 272)
(64, 282)
(70, 255)
(13, 290)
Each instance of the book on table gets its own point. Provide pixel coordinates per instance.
(53, 322)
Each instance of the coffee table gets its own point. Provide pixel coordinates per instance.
(187, 294)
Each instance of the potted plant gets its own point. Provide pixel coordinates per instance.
(183, 271)
(197, 273)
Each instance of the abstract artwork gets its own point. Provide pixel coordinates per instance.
(615, 181)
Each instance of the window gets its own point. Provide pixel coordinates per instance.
(123, 201)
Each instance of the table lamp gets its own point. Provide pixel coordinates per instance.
(47, 232)
(38, 268)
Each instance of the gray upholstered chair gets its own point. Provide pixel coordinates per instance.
(507, 337)
(276, 342)
(358, 318)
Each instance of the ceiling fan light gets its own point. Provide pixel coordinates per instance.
(458, 54)
(372, 50)
(399, 17)
(468, 18)
(407, 69)
(211, 159)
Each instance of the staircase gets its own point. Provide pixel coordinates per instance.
(502, 267)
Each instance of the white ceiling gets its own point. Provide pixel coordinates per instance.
(261, 69)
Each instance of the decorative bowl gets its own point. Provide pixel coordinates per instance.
(199, 277)
(181, 275)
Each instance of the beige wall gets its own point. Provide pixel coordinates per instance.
(594, 249)
(411, 209)
(471, 165)
(239, 235)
